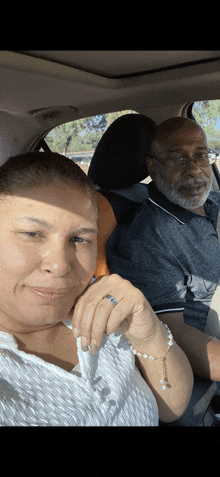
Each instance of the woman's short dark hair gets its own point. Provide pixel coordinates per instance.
(38, 169)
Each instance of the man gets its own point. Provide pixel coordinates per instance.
(171, 249)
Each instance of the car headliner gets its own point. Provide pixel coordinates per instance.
(42, 89)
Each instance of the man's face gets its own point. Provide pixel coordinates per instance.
(188, 187)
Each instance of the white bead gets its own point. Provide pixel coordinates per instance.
(145, 356)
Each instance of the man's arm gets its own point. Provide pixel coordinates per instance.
(152, 266)
(202, 351)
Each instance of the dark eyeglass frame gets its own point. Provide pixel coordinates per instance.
(210, 151)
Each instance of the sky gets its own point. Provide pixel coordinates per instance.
(218, 124)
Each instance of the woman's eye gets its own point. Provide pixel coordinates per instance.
(76, 239)
(30, 234)
(79, 240)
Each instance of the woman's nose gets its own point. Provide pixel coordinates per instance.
(56, 261)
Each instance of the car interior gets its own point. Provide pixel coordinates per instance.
(40, 90)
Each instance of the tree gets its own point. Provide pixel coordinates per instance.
(79, 135)
(207, 114)
(112, 116)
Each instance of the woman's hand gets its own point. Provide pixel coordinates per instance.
(95, 315)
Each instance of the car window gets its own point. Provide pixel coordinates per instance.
(78, 139)
(207, 114)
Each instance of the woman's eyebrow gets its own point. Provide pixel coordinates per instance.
(86, 230)
(43, 223)
(34, 219)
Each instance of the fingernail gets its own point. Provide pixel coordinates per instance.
(84, 343)
(93, 347)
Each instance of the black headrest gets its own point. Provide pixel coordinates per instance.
(120, 156)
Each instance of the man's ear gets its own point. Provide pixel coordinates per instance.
(152, 167)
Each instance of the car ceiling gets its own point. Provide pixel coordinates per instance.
(41, 89)
(95, 80)
(116, 64)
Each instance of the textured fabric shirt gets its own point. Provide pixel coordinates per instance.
(171, 254)
(102, 390)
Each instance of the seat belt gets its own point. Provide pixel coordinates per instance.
(212, 327)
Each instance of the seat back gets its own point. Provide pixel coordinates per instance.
(106, 224)
(113, 209)
(117, 166)
(119, 160)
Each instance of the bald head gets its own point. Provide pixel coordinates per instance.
(172, 127)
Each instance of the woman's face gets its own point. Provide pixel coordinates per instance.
(48, 245)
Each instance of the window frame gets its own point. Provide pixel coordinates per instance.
(215, 169)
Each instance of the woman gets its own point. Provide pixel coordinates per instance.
(54, 372)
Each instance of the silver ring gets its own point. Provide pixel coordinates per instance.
(111, 299)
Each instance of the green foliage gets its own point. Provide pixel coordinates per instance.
(112, 116)
(81, 135)
(76, 135)
(84, 134)
(207, 114)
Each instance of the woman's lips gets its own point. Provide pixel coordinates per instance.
(50, 293)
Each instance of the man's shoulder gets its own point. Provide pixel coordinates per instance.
(215, 196)
(150, 217)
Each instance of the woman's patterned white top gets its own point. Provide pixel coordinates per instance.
(102, 390)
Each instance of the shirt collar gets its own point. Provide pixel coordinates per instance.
(7, 340)
(179, 213)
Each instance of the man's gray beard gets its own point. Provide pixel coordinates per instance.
(176, 198)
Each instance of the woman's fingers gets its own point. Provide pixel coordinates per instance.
(95, 315)
(93, 325)
(91, 297)
(93, 311)
(101, 319)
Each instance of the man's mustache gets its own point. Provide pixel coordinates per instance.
(192, 182)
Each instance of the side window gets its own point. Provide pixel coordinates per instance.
(78, 139)
(207, 114)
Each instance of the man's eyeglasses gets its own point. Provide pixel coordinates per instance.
(202, 160)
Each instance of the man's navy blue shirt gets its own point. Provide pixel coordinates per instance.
(171, 254)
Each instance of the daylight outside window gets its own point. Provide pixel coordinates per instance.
(78, 139)
(207, 114)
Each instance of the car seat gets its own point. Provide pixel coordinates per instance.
(117, 167)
